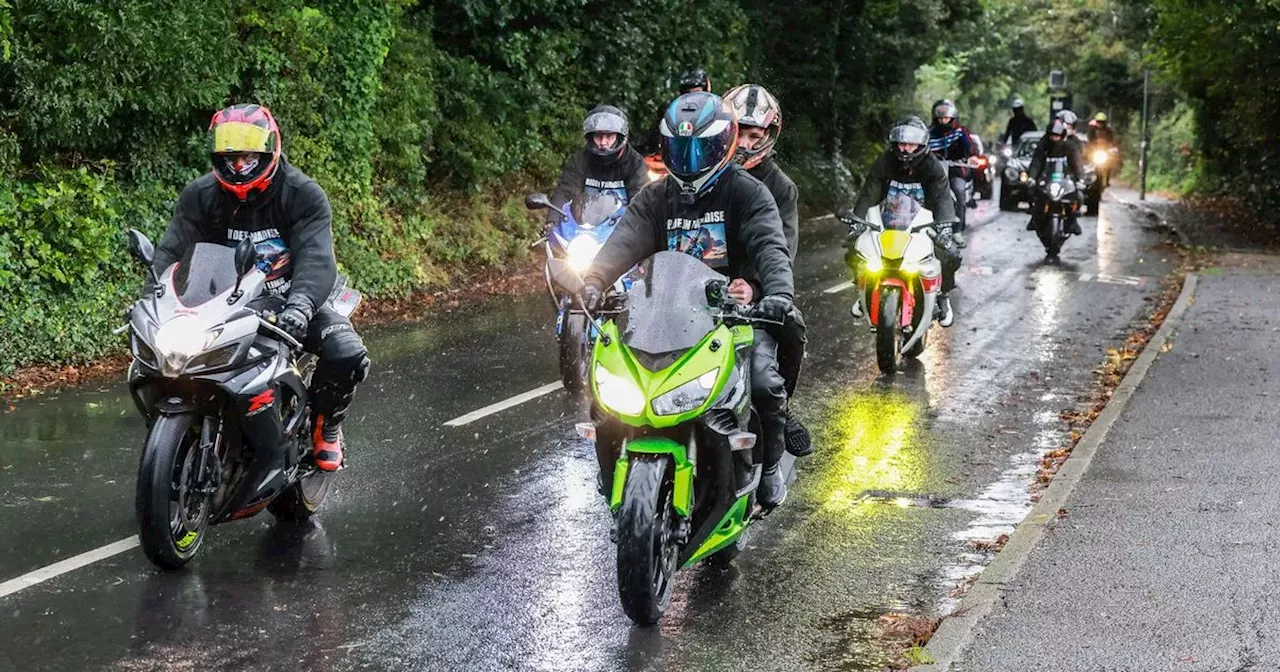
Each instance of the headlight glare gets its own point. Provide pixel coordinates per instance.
(177, 341)
(582, 251)
(617, 393)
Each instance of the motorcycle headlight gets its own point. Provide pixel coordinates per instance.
(618, 394)
(1100, 157)
(581, 252)
(687, 397)
(1007, 151)
(1055, 190)
(1022, 177)
(177, 341)
(872, 265)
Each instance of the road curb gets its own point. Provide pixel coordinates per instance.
(956, 632)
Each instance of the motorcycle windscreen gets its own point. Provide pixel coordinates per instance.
(901, 205)
(598, 209)
(666, 308)
(205, 271)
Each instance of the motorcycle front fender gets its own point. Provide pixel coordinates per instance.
(682, 488)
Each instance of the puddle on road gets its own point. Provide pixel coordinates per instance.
(1001, 506)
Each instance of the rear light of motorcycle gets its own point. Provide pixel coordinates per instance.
(931, 284)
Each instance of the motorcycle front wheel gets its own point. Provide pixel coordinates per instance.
(172, 511)
(575, 353)
(647, 550)
(888, 340)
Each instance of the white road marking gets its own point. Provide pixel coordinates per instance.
(1132, 280)
(70, 564)
(505, 404)
(838, 288)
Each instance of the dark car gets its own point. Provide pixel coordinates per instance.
(1013, 183)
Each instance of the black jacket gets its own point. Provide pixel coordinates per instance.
(290, 223)
(928, 174)
(1064, 156)
(734, 228)
(786, 195)
(1018, 124)
(585, 174)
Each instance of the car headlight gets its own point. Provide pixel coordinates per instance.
(177, 341)
(1022, 177)
(687, 397)
(618, 394)
(1100, 157)
(1011, 173)
(581, 252)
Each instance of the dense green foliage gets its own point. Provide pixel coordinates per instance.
(427, 120)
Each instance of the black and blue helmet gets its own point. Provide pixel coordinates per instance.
(699, 137)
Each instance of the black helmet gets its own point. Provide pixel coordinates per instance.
(606, 119)
(946, 108)
(910, 131)
(699, 137)
(694, 78)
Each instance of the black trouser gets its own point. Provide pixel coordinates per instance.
(769, 396)
(343, 363)
(950, 259)
(791, 343)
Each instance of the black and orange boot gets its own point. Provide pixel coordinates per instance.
(327, 443)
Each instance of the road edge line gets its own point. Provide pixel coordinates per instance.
(955, 634)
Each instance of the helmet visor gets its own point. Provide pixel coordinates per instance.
(913, 135)
(238, 136)
(690, 156)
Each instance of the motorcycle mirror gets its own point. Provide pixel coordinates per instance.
(246, 257)
(564, 275)
(536, 201)
(141, 248)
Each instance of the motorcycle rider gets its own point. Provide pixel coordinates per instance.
(253, 192)
(1069, 118)
(1100, 130)
(908, 165)
(1056, 153)
(950, 141)
(706, 190)
(606, 164)
(759, 126)
(1019, 122)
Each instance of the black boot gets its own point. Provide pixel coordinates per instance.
(799, 442)
(773, 483)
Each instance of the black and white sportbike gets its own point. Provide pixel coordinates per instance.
(225, 395)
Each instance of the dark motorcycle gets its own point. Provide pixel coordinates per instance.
(225, 395)
(1057, 202)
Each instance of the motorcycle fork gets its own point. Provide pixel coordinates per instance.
(210, 465)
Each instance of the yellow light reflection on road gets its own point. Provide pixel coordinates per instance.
(870, 444)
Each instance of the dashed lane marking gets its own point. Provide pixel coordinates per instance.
(504, 404)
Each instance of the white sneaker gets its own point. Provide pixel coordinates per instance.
(947, 316)
(856, 309)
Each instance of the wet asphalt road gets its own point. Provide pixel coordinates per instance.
(485, 546)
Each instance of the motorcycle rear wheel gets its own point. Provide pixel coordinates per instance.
(170, 537)
(647, 551)
(888, 339)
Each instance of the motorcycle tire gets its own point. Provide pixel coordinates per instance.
(647, 552)
(173, 444)
(888, 339)
(918, 349)
(1007, 203)
(575, 353)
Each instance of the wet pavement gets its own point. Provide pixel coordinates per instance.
(484, 546)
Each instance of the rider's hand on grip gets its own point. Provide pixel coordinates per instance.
(774, 307)
(294, 322)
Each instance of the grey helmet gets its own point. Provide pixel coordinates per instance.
(1069, 118)
(909, 131)
(606, 119)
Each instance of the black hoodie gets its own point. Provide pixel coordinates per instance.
(585, 174)
(290, 223)
(788, 197)
(734, 228)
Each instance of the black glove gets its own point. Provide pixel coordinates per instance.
(296, 316)
(946, 238)
(591, 298)
(774, 307)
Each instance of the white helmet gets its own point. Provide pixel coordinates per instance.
(755, 106)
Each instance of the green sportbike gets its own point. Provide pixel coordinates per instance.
(670, 377)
